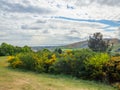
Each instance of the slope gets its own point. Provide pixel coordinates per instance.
(84, 44)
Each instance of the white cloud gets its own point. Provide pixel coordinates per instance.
(29, 22)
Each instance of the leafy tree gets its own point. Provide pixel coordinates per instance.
(7, 49)
(17, 49)
(58, 50)
(97, 44)
(26, 49)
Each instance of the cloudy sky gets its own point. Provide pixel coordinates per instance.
(57, 22)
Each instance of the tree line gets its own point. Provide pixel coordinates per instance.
(8, 49)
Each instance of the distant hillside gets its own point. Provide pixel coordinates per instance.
(116, 44)
(81, 44)
(114, 41)
(84, 44)
(36, 48)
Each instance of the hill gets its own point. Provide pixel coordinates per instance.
(84, 44)
(80, 44)
(36, 48)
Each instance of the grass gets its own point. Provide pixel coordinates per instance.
(15, 79)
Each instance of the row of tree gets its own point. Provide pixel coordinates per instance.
(8, 49)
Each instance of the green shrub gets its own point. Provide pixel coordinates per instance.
(113, 69)
(8, 49)
(61, 66)
(23, 60)
(39, 65)
(95, 66)
(28, 60)
(46, 59)
(15, 62)
(71, 62)
(77, 64)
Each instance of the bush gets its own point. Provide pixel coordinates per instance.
(113, 69)
(95, 66)
(23, 60)
(71, 62)
(40, 61)
(47, 58)
(15, 62)
(77, 64)
(44, 62)
(28, 60)
(39, 65)
(61, 66)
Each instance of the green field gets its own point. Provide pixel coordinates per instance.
(14, 79)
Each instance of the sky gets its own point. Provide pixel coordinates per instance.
(57, 22)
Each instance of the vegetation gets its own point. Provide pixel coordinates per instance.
(95, 66)
(7, 49)
(95, 63)
(83, 63)
(113, 69)
(18, 79)
(58, 50)
(97, 44)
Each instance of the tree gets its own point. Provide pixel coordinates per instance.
(58, 50)
(26, 49)
(97, 44)
(8, 49)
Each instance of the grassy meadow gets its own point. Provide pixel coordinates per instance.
(15, 79)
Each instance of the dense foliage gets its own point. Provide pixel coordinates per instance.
(7, 49)
(95, 66)
(83, 63)
(113, 69)
(80, 63)
(98, 44)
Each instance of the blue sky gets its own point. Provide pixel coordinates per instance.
(57, 22)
